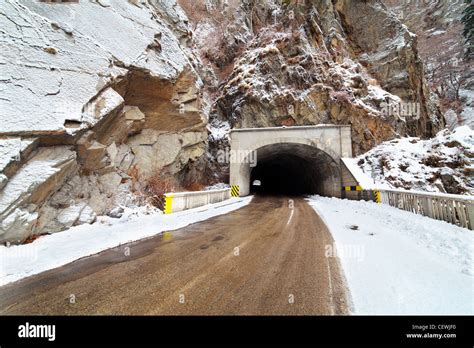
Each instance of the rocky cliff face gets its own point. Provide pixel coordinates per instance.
(336, 62)
(95, 98)
(441, 46)
(98, 98)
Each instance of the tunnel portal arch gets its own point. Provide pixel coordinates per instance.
(293, 160)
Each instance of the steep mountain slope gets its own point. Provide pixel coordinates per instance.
(317, 62)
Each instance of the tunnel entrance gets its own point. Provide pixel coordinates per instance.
(294, 169)
(283, 174)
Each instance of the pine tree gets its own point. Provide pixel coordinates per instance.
(468, 32)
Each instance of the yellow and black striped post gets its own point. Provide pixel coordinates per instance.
(234, 190)
(377, 196)
(167, 208)
(352, 188)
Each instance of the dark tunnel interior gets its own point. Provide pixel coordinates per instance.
(284, 174)
(292, 170)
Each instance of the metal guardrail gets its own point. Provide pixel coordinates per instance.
(179, 201)
(455, 209)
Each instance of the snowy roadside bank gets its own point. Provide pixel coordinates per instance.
(55, 250)
(396, 262)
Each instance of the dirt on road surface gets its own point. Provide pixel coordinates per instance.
(263, 259)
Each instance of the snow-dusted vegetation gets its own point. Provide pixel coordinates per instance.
(441, 164)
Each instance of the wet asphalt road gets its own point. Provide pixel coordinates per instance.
(263, 259)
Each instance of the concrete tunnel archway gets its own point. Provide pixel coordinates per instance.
(290, 160)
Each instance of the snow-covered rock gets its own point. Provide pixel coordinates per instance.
(37, 180)
(13, 151)
(17, 225)
(56, 57)
(69, 215)
(3, 180)
(116, 213)
(218, 186)
(91, 76)
(441, 164)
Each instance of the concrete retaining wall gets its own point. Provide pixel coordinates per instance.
(351, 188)
(179, 201)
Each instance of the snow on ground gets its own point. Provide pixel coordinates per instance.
(55, 250)
(218, 186)
(397, 262)
(440, 164)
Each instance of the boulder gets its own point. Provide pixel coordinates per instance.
(135, 100)
(154, 150)
(35, 181)
(68, 217)
(116, 213)
(92, 155)
(110, 183)
(135, 119)
(17, 226)
(88, 216)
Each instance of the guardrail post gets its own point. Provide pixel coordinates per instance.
(427, 207)
(470, 214)
(167, 209)
(377, 196)
(460, 209)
